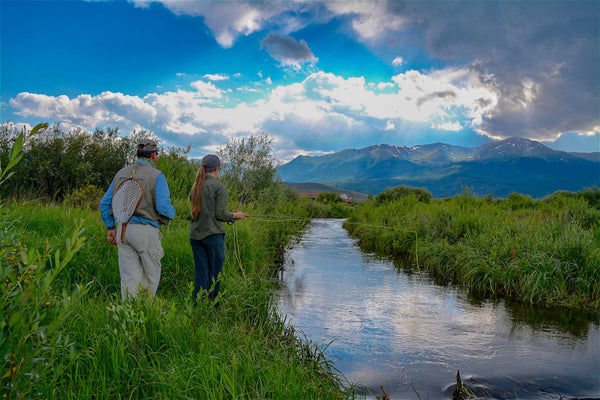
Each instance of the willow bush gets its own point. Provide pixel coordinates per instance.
(537, 251)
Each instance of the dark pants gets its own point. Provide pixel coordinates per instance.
(209, 255)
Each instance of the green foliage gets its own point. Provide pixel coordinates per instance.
(329, 197)
(166, 348)
(518, 201)
(592, 196)
(12, 151)
(536, 251)
(56, 162)
(86, 197)
(250, 171)
(179, 171)
(31, 336)
(393, 194)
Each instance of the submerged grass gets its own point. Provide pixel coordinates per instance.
(166, 348)
(539, 252)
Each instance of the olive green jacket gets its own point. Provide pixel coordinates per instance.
(212, 210)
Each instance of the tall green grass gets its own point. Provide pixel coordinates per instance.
(536, 251)
(163, 348)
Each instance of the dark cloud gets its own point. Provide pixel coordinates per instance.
(544, 58)
(435, 95)
(287, 50)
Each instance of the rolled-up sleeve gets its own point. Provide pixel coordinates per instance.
(163, 198)
(105, 206)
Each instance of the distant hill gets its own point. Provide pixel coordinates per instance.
(595, 157)
(501, 167)
(312, 187)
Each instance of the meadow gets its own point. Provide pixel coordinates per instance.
(543, 252)
(66, 334)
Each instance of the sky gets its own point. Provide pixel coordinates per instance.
(317, 77)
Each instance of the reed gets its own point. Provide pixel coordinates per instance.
(536, 251)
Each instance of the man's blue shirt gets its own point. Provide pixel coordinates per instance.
(163, 204)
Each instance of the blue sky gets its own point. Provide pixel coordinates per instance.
(316, 76)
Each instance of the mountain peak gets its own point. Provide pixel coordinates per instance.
(500, 167)
(515, 147)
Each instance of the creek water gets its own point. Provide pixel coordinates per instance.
(381, 326)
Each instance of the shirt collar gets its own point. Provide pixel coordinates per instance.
(147, 161)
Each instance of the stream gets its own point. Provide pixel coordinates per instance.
(381, 326)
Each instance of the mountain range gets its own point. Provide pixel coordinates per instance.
(498, 168)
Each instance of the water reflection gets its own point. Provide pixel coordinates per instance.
(385, 328)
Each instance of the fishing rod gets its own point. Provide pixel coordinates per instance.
(232, 221)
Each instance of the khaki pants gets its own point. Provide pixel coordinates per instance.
(139, 259)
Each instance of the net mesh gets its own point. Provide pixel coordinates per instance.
(126, 199)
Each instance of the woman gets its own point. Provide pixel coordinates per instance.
(207, 235)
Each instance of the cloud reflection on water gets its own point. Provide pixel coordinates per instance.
(383, 327)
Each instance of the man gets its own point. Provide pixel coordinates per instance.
(140, 251)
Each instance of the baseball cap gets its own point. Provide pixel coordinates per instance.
(211, 161)
(147, 145)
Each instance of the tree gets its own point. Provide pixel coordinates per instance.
(56, 162)
(329, 197)
(250, 170)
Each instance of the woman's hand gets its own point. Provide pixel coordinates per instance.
(239, 215)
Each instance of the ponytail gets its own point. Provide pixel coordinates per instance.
(196, 195)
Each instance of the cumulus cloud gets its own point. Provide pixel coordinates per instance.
(543, 58)
(397, 61)
(370, 20)
(216, 77)
(207, 90)
(288, 51)
(229, 21)
(312, 114)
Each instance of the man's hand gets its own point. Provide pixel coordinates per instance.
(112, 235)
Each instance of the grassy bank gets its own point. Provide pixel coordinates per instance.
(70, 337)
(536, 251)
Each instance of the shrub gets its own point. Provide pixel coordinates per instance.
(399, 192)
(518, 201)
(329, 197)
(86, 197)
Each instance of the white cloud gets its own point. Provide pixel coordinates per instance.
(323, 106)
(216, 77)
(385, 85)
(227, 21)
(371, 20)
(449, 126)
(207, 90)
(397, 61)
